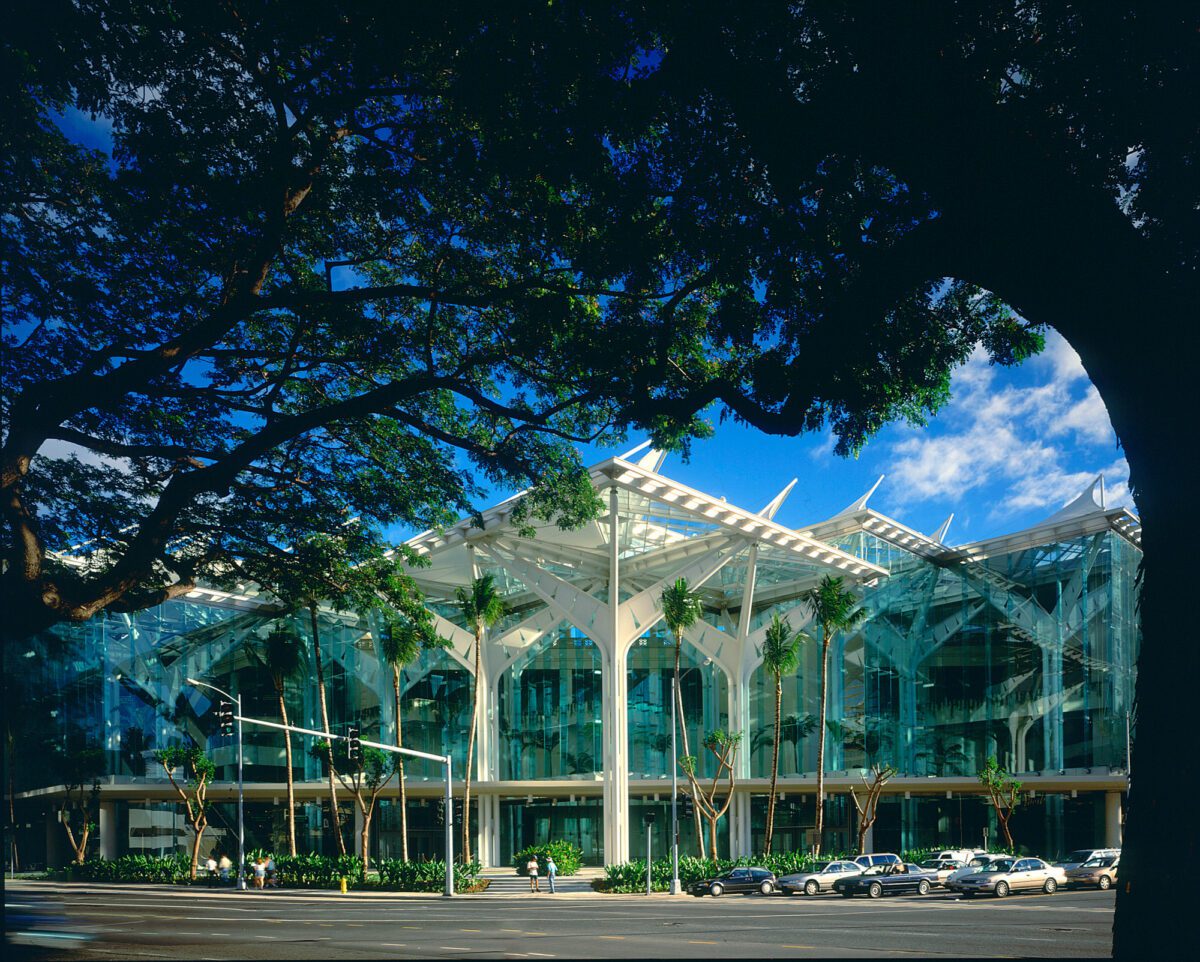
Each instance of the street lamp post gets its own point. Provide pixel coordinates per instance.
(237, 700)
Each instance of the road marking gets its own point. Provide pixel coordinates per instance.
(535, 933)
(796, 946)
(455, 948)
(394, 945)
(518, 931)
(700, 942)
(611, 936)
(271, 937)
(470, 930)
(544, 955)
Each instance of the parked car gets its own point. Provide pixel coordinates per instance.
(820, 879)
(943, 868)
(878, 858)
(1100, 872)
(743, 880)
(888, 878)
(1081, 855)
(956, 855)
(977, 863)
(1006, 875)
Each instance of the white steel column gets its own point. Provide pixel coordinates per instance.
(108, 830)
(485, 851)
(1112, 819)
(613, 692)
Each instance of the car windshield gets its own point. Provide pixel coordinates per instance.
(931, 863)
(1000, 865)
(976, 862)
(1099, 862)
(877, 870)
(1080, 856)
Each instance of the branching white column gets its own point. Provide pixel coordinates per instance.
(614, 691)
(1112, 819)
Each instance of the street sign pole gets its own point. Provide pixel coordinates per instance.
(241, 877)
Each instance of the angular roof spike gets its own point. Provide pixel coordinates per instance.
(861, 502)
(774, 504)
(940, 535)
(632, 451)
(652, 460)
(1085, 503)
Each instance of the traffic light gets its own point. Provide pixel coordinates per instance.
(458, 811)
(354, 749)
(225, 717)
(687, 807)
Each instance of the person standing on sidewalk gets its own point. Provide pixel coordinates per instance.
(532, 868)
(551, 871)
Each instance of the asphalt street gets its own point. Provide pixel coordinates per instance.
(161, 923)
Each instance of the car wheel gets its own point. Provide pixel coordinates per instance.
(1105, 883)
(875, 890)
(716, 890)
(766, 888)
(811, 887)
(1001, 889)
(923, 887)
(1050, 887)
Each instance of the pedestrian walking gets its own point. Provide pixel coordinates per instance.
(224, 866)
(210, 866)
(271, 881)
(532, 868)
(551, 872)
(260, 873)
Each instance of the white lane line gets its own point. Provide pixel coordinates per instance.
(455, 948)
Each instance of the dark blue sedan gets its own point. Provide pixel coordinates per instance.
(879, 880)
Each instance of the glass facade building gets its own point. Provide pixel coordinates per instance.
(1021, 646)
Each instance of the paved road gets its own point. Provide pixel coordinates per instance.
(135, 923)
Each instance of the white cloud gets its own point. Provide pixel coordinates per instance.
(1024, 442)
(824, 450)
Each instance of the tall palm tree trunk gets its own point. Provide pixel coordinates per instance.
(686, 750)
(334, 815)
(400, 768)
(774, 768)
(291, 782)
(820, 826)
(466, 827)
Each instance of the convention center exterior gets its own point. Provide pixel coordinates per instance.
(1022, 646)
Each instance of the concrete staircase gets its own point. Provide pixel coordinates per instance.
(506, 882)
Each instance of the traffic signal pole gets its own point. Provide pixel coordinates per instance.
(440, 759)
(241, 879)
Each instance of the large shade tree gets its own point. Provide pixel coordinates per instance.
(812, 213)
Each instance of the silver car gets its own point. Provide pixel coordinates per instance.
(821, 879)
(1007, 875)
(976, 864)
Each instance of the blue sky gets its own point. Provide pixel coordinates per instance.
(1011, 447)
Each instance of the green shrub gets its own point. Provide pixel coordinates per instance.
(159, 869)
(319, 871)
(567, 856)
(430, 876)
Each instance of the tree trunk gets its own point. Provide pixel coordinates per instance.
(291, 781)
(820, 826)
(198, 834)
(335, 818)
(400, 768)
(712, 836)
(687, 751)
(466, 826)
(12, 814)
(774, 768)
(364, 839)
(78, 847)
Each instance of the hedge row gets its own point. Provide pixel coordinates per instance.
(300, 871)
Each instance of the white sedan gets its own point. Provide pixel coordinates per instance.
(821, 879)
(1007, 875)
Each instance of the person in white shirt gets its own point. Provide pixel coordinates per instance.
(532, 868)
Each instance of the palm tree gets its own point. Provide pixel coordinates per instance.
(681, 609)
(401, 645)
(781, 656)
(834, 609)
(282, 657)
(482, 607)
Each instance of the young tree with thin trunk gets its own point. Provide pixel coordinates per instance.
(400, 644)
(364, 779)
(781, 656)
(482, 607)
(868, 806)
(1004, 792)
(723, 745)
(681, 608)
(82, 768)
(835, 609)
(283, 657)
(196, 771)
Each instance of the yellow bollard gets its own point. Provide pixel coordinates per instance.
(342, 884)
